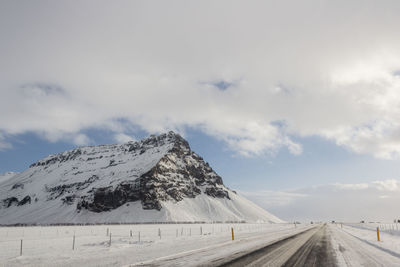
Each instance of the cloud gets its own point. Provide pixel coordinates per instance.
(3, 144)
(269, 199)
(375, 201)
(145, 63)
(123, 138)
(388, 185)
(352, 186)
(81, 140)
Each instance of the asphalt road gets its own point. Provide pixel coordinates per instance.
(309, 248)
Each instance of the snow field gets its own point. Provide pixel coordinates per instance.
(49, 245)
(389, 235)
(357, 245)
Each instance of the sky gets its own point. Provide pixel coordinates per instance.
(295, 104)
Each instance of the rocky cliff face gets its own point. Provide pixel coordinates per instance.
(104, 178)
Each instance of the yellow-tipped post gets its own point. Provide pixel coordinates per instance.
(233, 234)
(377, 234)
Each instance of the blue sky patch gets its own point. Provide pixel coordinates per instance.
(222, 85)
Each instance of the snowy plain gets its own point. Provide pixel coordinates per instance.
(389, 235)
(53, 245)
(356, 244)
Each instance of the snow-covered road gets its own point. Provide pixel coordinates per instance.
(307, 247)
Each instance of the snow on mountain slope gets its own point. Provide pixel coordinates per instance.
(158, 179)
(7, 175)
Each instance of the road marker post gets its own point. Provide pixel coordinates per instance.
(377, 234)
(73, 242)
(233, 234)
(20, 249)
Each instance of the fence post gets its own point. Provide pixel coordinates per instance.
(73, 242)
(233, 234)
(377, 234)
(131, 233)
(110, 240)
(139, 236)
(159, 232)
(20, 249)
(107, 232)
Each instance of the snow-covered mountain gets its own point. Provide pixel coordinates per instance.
(157, 179)
(6, 176)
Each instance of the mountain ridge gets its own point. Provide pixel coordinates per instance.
(159, 177)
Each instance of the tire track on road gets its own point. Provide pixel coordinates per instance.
(310, 248)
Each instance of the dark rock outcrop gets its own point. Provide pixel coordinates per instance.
(10, 201)
(217, 192)
(18, 185)
(108, 198)
(25, 200)
(60, 190)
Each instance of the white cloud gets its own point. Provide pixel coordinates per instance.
(375, 201)
(3, 144)
(388, 185)
(81, 140)
(156, 66)
(123, 138)
(352, 186)
(269, 199)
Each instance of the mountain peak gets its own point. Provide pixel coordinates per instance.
(170, 137)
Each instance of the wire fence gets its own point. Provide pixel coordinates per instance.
(388, 228)
(35, 240)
